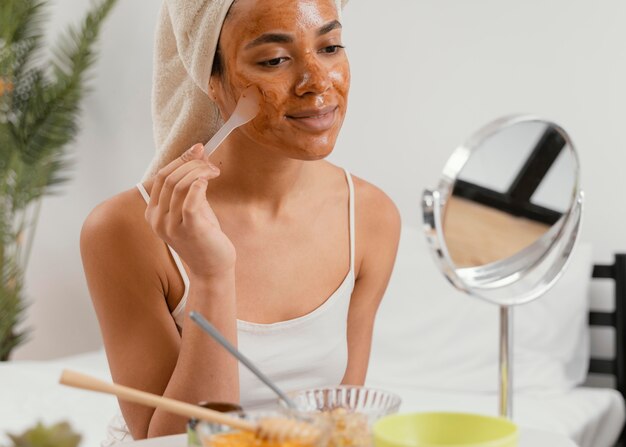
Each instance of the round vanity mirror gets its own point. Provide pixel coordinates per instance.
(507, 210)
(505, 216)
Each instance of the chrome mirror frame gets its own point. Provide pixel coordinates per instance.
(520, 278)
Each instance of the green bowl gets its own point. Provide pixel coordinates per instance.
(444, 430)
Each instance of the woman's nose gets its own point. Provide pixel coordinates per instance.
(313, 78)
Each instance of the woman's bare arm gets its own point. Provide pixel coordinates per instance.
(377, 235)
(128, 283)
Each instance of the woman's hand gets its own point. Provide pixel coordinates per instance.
(180, 214)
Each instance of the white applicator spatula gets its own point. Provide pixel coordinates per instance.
(247, 108)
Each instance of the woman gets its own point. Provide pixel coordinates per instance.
(285, 253)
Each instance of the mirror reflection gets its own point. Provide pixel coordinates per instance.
(511, 191)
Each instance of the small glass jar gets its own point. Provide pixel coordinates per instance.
(193, 439)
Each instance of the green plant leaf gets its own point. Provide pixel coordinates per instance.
(39, 118)
(59, 435)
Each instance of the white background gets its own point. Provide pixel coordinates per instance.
(426, 74)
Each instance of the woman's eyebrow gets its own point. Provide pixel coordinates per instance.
(329, 27)
(287, 38)
(269, 38)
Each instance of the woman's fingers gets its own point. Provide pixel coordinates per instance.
(195, 207)
(179, 213)
(166, 217)
(210, 252)
(170, 188)
(183, 189)
(199, 168)
(193, 153)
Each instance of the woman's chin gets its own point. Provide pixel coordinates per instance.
(312, 153)
(303, 149)
(318, 156)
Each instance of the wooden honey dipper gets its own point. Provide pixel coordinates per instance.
(270, 429)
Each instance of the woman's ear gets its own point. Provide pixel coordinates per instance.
(211, 90)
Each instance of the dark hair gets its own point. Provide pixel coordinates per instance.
(218, 66)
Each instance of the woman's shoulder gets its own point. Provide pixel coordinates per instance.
(117, 227)
(377, 228)
(377, 219)
(375, 209)
(119, 250)
(118, 215)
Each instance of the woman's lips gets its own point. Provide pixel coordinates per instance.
(316, 120)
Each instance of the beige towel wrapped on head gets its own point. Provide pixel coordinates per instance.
(187, 34)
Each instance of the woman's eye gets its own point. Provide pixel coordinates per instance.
(331, 49)
(275, 62)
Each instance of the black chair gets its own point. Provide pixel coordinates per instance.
(617, 320)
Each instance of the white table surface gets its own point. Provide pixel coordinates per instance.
(529, 437)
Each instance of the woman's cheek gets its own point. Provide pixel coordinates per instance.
(272, 110)
(265, 127)
(340, 78)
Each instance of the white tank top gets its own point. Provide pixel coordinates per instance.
(308, 351)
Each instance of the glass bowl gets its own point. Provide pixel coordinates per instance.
(371, 402)
(350, 410)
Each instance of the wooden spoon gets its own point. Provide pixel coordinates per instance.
(272, 429)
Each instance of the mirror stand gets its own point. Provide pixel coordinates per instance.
(505, 390)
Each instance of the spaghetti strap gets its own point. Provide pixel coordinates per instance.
(144, 193)
(179, 264)
(351, 219)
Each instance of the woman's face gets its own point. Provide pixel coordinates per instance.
(292, 50)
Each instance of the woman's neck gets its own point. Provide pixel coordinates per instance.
(258, 176)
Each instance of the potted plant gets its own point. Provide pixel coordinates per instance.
(39, 109)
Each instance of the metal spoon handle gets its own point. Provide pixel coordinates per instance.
(218, 337)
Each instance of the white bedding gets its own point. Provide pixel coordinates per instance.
(29, 392)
